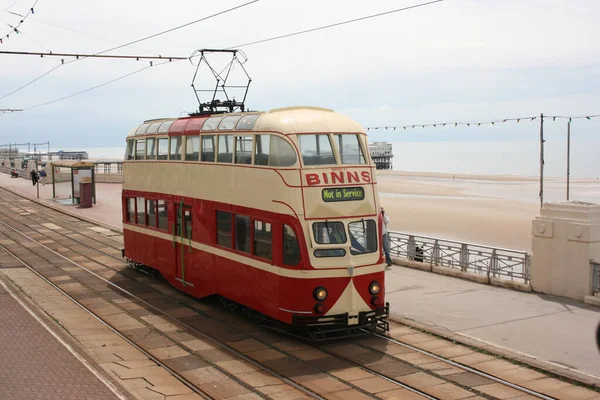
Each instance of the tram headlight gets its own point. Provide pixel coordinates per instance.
(320, 293)
(374, 287)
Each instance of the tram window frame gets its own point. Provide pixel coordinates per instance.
(164, 127)
(246, 123)
(227, 143)
(140, 149)
(319, 158)
(242, 243)
(260, 157)
(339, 138)
(140, 201)
(151, 214)
(370, 233)
(290, 256)
(162, 215)
(129, 152)
(195, 155)
(151, 149)
(282, 154)
(142, 129)
(153, 128)
(229, 123)
(241, 142)
(130, 213)
(162, 151)
(262, 246)
(175, 153)
(211, 123)
(224, 235)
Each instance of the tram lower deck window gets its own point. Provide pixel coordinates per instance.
(141, 211)
(224, 229)
(263, 242)
(131, 210)
(291, 248)
(151, 213)
(163, 215)
(242, 233)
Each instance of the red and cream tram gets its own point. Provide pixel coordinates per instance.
(277, 211)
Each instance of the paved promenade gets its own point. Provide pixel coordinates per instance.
(35, 363)
(551, 329)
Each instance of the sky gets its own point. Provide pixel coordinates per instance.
(456, 60)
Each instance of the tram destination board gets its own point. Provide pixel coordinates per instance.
(343, 194)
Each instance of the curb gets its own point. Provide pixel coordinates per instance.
(499, 351)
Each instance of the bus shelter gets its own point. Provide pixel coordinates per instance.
(82, 172)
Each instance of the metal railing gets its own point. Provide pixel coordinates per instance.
(595, 278)
(466, 257)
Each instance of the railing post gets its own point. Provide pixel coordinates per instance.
(436, 253)
(494, 264)
(527, 267)
(411, 247)
(464, 257)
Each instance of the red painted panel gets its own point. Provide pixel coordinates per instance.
(193, 128)
(178, 126)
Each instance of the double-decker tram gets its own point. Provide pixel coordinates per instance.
(276, 211)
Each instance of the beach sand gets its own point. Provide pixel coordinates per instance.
(493, 210)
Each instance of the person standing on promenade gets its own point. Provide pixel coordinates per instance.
(43, 177)
(385, 237)
(34, 176)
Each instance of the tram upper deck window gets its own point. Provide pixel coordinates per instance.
(192, 148)
(243, 149)
(208, 148)
(151, 149)
(316, 149)
(175, 148)
(282, 153)
(211, 124)
(363, 237)
(329, 232)
(164, 127)
(163, 149)
(291, 248)
(246, 123)
(153, 128)
(142, 129)
(225, 149)
(263, 145)
(228, 123)
(140, 149)
(350, 149)
(129, 154)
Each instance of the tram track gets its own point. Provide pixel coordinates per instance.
(94, 235)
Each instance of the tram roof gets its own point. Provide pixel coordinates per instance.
(287, 120)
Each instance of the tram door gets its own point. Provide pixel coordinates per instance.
(182, 241)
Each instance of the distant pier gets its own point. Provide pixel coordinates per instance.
(381, 153)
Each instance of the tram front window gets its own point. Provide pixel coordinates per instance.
(363, 237)
(316, 149)
(329, 232)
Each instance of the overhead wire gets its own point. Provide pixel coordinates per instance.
(336, 24)
(135, 41)
(24, 17)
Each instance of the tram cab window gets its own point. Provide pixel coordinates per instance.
(316, 149)
(175, 148)
(192, 148)
(140, 149)
(291, 248)
(263, 145)
(211, 124)
(131, 210)
(225, 149)
(151, 213)
(163, 215)
(224, 229)
(151, 149)
(208, 148)
(141, 211)
(282, 153)
(163, 149)
(243, 149)
(228, 123)
(263, 242)
(247, 122)
(350, 149)
(242, 233)
(129, 154)
(363, 237)
(329, 232)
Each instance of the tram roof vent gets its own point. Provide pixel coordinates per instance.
(300, 108)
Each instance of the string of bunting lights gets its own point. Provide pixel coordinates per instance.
(479, 123)
(15, 28)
